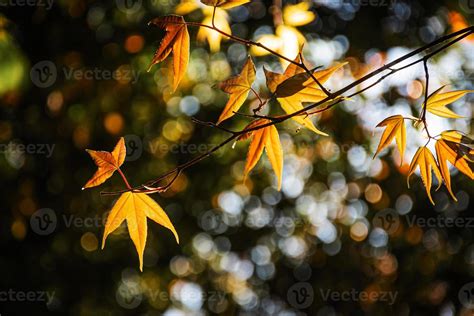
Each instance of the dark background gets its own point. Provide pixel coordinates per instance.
(85, 279)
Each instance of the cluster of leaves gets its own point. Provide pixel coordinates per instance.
(297, 85)
(133, 207)
(451, 145)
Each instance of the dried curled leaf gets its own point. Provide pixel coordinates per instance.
(238, 87)
(426, 162)
(437, 102)
(295, 86)
(225, 4)
(394, 128)
(107, 163)
(267, 138)
(176, 40)
(135, 208)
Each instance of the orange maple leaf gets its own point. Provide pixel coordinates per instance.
(176, 40)
(107, 163)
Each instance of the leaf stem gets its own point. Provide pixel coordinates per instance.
(124, 179)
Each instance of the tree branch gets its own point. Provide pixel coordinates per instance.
(457, 36)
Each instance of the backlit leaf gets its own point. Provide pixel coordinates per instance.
(176, 40)
(107, 163)
(135, 208)
(437, 102)
(394, 128)
(238, 87)
(267, 138)
(298, 14)
(456, 137)
(426, 162)
(211, 36)
(452, 152)
(295, 86)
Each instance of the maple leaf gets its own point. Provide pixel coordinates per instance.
(456, 137)
(135, 208)
(298, 14)
(394, 128)
(287, 40)
(212, 37)
(295, 86)
(449, 151)
(238, 87)
(426, 162)
(224, 4)
(176, 40)
(267, 138)
(107, 163)
(438, 101)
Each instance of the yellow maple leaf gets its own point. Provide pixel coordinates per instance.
(298, 14)
(238, 87)
(107, 163)
(267, 138)
(456, 137)
(176, 40)
(287, 40)
(213, 37)
(394, 128)
(425, 160)
(437, 102)
(295, 86)
(449, 151)
(135, 208)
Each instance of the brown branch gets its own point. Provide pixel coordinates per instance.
(458, 36)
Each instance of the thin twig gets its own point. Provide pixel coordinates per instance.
(276, 120)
